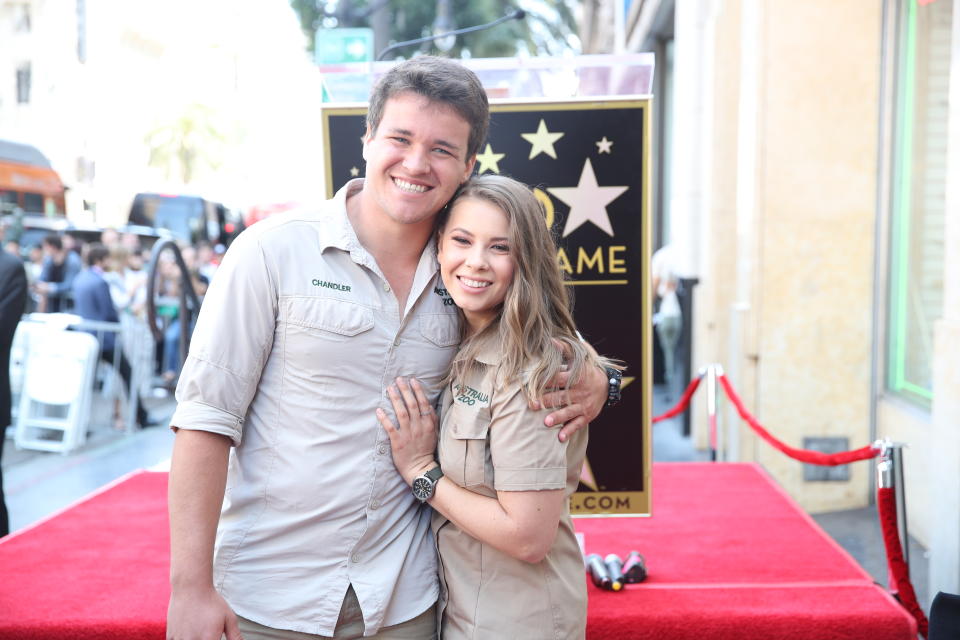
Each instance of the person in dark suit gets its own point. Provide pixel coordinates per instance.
(60, 267)
(92, 301)
(13, 301)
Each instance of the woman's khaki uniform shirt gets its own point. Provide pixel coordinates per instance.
(491, 441)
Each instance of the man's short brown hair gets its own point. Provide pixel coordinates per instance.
(438, 80)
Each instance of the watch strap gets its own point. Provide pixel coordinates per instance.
(614, 383)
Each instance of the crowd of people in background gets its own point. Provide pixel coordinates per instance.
(54, 266)
(103, 281)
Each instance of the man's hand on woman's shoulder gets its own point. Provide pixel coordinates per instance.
(576, 406)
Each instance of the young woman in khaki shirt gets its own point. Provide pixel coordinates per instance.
(510, 563)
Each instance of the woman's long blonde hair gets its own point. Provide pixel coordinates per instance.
(537, 309)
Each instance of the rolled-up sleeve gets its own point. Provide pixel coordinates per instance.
(525, 455)
(231, 342)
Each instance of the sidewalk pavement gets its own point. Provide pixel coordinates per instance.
(38, 484)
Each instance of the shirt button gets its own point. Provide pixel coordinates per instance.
(386, 287)
(375, 504)
(355, 558)
(396, 342)
(382, 449)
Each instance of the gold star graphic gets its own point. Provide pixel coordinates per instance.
(488, 160)
(604, 145)
(354, 172)
(542, 141)
(586, 476)
(587, 201)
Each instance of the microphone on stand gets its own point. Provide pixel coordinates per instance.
(519, 14)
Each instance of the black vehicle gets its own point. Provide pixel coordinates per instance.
(190, 218)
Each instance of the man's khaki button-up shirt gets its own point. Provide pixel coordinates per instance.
(298, 339)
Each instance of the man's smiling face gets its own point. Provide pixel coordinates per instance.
(416, 158)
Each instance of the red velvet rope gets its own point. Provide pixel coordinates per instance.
(682, 404)
(803, 455)
(886, 502)
(887, 508)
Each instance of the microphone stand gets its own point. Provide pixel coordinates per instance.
(519, 14)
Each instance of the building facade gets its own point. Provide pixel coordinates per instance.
(218, 98)
(809, 180)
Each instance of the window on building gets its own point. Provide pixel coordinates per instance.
(33, 202)
(8, 201)
(82, 30)
(918, 198)
(21, 17)
(23, 83)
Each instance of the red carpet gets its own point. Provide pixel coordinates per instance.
(99, 570)
(730, 556)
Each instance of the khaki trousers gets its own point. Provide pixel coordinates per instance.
(350, 626)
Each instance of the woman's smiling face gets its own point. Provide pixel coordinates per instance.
(476, 259)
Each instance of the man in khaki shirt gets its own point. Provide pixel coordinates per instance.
(310, 318)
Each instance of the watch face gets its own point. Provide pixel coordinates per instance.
(422, 488)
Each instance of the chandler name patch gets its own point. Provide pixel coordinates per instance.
(330, 285)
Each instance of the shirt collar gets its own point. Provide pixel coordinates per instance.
(490, 352)
(340, 234)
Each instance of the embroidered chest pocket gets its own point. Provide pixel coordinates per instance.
(336, 319)
(468, 447)
(440, 329)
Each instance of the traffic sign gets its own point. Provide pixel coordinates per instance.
(335, 46)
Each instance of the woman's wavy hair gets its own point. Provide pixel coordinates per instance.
(537, 310)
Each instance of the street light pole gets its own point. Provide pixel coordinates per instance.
(443, 25)
(519, 14)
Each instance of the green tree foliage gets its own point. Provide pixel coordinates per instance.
(549, 28)
(187, 143)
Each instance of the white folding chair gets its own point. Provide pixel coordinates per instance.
(56, 393)
(18, 363)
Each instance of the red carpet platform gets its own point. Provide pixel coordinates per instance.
(730, 556)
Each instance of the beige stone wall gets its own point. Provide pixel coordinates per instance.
(802, 352)
(937, 493)
(717, 289)
(785, 253)
(933, 474)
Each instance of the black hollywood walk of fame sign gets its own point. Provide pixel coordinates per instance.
(588, 162)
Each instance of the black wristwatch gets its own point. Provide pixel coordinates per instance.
(614, 381)
(426, 483)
